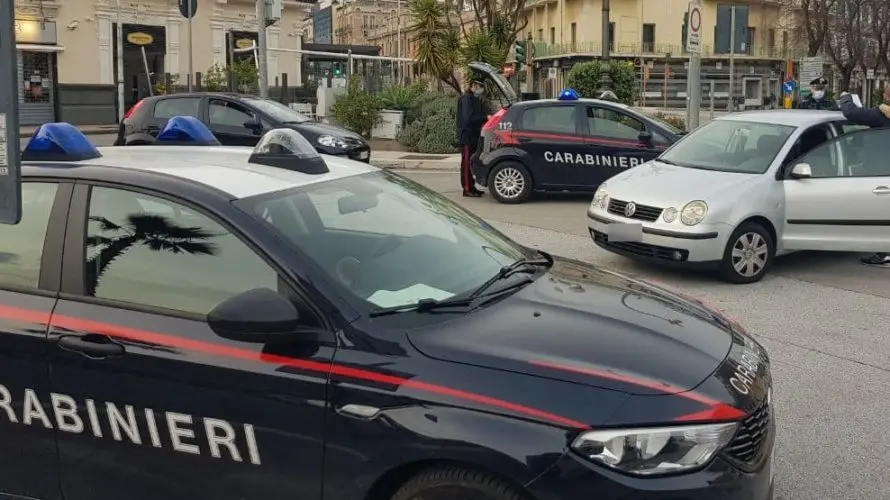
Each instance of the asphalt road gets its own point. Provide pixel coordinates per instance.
(825, 320)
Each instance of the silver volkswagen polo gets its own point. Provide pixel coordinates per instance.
(745, 188)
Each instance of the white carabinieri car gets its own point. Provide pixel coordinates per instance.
(746, 187)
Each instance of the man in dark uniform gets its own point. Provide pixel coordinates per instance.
(470, 118)
(817, 99)
(877, 117)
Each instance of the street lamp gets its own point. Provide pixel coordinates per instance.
(606, 82)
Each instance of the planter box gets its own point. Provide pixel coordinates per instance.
(390, 124)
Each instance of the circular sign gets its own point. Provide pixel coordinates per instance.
(140, 39)
(244, 43)
(695, 19)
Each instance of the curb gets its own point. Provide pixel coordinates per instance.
(415, 165)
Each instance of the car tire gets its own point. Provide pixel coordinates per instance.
(748, 255)
(457, 483)
(510, 182)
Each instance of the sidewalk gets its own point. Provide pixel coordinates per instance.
(417, 161)
(28, 131)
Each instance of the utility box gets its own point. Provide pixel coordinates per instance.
(390, 124)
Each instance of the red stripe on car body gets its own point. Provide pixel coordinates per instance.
(138, 335)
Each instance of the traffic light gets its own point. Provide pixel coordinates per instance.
(337, 70)
(685, 29)
(521, 47)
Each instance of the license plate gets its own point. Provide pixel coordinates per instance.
(625, 231)
(363, 155)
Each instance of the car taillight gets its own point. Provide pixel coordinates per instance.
(495, 119)
(133, 109)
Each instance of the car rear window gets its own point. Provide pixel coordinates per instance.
(178, 106)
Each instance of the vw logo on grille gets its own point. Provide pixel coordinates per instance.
(630, 209)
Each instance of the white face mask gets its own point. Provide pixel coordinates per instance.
(818, 94)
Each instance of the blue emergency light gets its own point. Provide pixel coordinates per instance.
(59, 142)
(186, 131)
(568, 95)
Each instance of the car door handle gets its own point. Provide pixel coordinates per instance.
(881, 190)
(91, 345)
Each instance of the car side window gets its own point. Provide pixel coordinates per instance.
(554, 119)
(808, 140)
(149, 251)
(604, 122)
(21, 245)
(229, 113)
(177, 106)
(857, 154)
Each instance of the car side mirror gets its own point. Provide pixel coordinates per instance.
(645, 136)
(254, 125)
(260, 315)
(801, 171)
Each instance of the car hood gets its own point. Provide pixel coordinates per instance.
(315, 129)
(583, 324)
(659, 184)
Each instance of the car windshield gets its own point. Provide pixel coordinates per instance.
(387, 240)
(730, 146)
(278, 111)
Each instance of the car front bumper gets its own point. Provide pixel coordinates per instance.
(359, 153)
(698, 246)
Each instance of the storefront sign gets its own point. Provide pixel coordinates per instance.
(140, 39)
(244, 43)
(35, 32)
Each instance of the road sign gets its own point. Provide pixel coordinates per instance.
(789, 86)
(188, 8)
(551, 73)
(693, 39)
(10, 174)
(810, 69)
(870, 74)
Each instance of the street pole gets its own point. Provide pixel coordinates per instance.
(261, 53)
(10, 174)
(731, 56)
(606, 80)
(693, 77)
(120, 63)
(401, 74)
(191, 52)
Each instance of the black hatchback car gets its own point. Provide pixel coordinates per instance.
(561, 145)
(236, 120)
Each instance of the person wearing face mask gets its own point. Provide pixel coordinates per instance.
(817, 99)
(470, 118)
(877, 117)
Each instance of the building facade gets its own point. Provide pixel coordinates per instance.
(67, 50)
(355, 21)
(323, 26)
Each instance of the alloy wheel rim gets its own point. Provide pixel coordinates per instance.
(750, 253)
(509, 182)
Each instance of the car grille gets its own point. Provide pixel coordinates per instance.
(641, 249)
(751, 436)
(643, 212)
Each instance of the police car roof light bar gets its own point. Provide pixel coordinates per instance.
(59, 142)
(568, 95)
(186, 131)
(288, 149)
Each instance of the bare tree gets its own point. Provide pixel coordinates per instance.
(846, 43)
(815, 17)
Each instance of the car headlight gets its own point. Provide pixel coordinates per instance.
(669, 214)
(654, 451)
(331, 141)
(694, 212)
(599, 197)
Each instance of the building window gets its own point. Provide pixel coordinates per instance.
(552, 34)
(785, 44)
(749, 45)
(574, 37)
(771, 42)
(648, 38)
(611, 36)
(541, 35)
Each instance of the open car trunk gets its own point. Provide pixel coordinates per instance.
(496, 79)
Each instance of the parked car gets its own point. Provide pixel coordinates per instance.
(236, 120)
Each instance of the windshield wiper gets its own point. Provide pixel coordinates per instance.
(294, 122)
(520, 266)
(422, 305)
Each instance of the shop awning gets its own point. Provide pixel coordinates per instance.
(33, 47)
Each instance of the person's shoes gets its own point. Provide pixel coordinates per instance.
(878, 259)
(473, 194)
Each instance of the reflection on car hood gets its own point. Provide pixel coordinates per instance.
(662, 185)
(315, 129)
(583, 324)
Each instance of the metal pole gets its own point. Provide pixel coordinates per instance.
(151, 90)
(348, 64)
(10, 174)
(694, 91)
(261, 55)
(731, 56)
(191, 52)
(401, 73)
(605, 37)
(120, 64)
(712, 99)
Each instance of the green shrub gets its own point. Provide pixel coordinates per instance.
(438, 136)
(411, 134)
(586, 78)
(673, 120)
(356, 109)
(400, 97)
(439, 106)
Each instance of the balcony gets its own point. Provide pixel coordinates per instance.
(654, 50)
(530, 4)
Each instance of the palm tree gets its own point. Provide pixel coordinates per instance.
(154, 231)
(437, 41)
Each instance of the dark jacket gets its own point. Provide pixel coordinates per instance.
(470, 118)
(870, 117)
(822, 104)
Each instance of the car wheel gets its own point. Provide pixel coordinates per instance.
(455, 483)
(510, 182)
(749, 253)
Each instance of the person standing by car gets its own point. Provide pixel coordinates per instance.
(470, 118)
(877, 117)
(817, 99)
